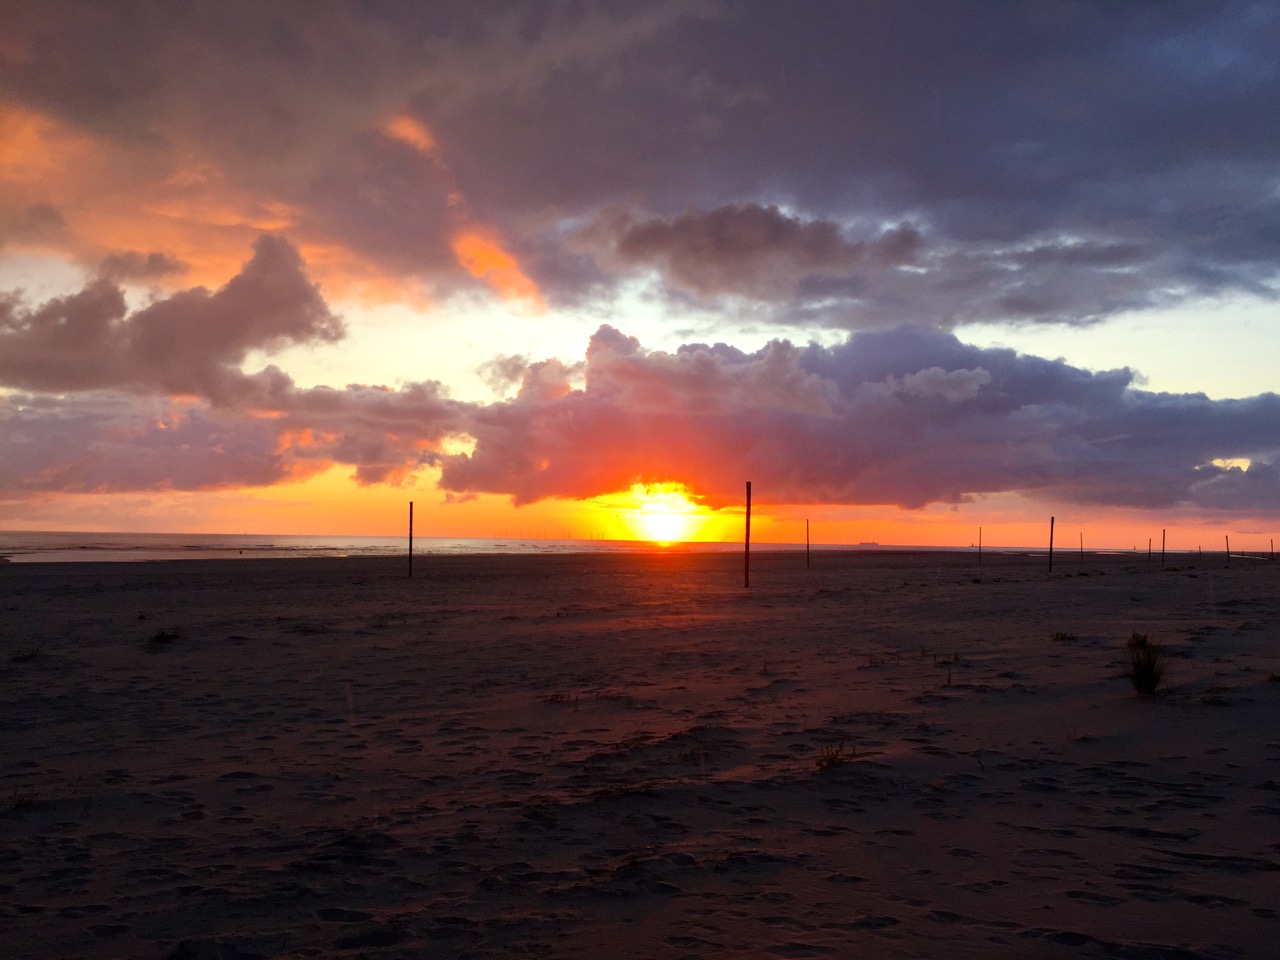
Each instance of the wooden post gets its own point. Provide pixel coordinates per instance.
(410, 538)
(1082, 546)
(1162, 533)
(1051, 544)
(1148, 548)
(1228, 539)
(806, 544)
(979, 546)
(746, 543)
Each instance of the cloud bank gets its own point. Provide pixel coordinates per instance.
(864, 165)
(907, 417)
(104, 399)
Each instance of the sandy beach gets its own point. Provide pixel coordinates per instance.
(884, 755)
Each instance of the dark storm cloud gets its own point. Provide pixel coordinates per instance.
(906, 417)
(1060, 161)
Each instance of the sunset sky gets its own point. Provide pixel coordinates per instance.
(910, 268)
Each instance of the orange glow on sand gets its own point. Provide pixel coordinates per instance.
(484, 258)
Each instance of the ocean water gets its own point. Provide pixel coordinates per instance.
(56, 547)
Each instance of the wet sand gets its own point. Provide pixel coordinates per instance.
(889, 755)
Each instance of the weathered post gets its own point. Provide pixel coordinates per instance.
(979, 546)
(806, 544)
(1227, 537)
(746, 543)
(410, 538)
(1162, 533)
(1051, 544)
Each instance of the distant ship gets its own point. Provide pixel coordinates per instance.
(868, 543)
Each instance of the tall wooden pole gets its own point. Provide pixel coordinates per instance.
(806, 544)
(1228, 539)
(746, 543)
(1162, 533)
(1051, 544)
(1082, 546)
(410, 538)
(979, 546)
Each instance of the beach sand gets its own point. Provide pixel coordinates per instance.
(886, 755)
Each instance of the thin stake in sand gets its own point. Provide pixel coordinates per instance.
(411, 538)
(1051, 544)
(746, 543)
(806, 544)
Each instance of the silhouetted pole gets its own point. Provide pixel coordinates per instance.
(1162, 532)
(746, 543)
(806, 544)
(1148, 548)
(1082, 546)
(1051, 544)
(410, 538)
(1228, 539)
(979, 546)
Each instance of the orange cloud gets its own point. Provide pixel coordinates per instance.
(484, 258)
(410, 131)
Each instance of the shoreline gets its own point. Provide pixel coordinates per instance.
(631, 755)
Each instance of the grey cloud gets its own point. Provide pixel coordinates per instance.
(906, 417)
(191, 342)
(1060, 168)
(97, 441)
(747, 249)
(36, 222)
(126, 265)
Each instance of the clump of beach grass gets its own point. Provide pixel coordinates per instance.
(27, 655)
(1147, 662)
(831, 756)
(163, 637)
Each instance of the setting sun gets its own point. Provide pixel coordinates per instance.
(661, 513)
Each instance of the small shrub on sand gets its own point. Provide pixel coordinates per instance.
(832, 756)
(27, 655)
(1147, 663)
(1061, 636)
(162, 637)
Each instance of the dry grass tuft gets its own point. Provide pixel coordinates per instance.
(832, 756)
(27, 655)
(1147, 662)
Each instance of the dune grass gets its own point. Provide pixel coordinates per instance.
(1147, 663)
